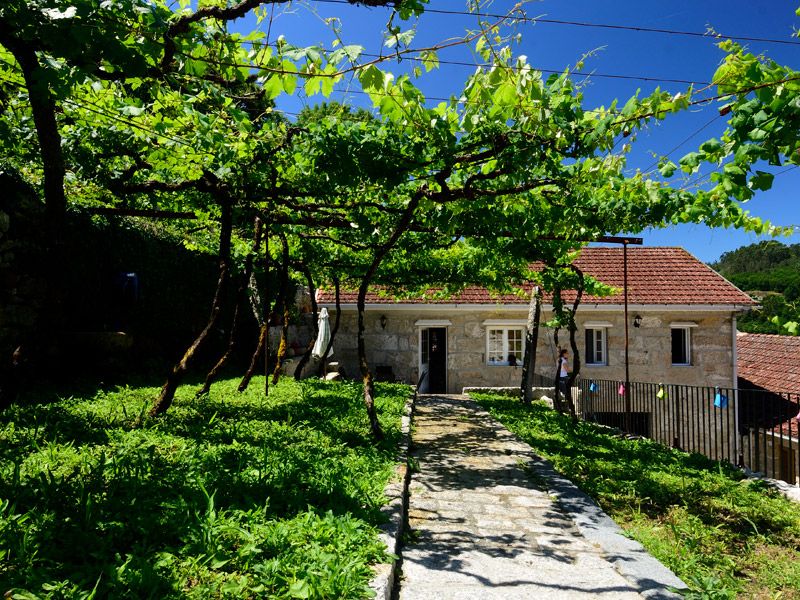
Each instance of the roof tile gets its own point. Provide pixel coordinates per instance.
(656, 275)
(771, 362)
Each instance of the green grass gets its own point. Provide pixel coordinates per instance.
(724, 535)
(229, 496)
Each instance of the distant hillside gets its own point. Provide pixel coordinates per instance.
(770, 272)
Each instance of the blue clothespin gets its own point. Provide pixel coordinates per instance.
(720, 400)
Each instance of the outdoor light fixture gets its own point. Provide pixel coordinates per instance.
(383, 321)
(637, 321)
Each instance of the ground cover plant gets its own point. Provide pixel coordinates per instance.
(229, 495)
(723, 534)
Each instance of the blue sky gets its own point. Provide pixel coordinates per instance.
(615, 52)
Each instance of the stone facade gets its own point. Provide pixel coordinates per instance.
(650, 359)
(22, 286)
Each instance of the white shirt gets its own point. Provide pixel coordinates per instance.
(562, 364)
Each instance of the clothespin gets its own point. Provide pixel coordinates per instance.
(720, 399)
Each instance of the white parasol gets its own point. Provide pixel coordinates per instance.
(324, 335)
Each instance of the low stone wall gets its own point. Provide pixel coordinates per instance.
(22, 286)
(538, 392)
(395, 511)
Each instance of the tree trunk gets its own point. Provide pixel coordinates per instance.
(254, 361)
(366, 375)
(573, 328)
(556, 388)
(43, 109)
(369, 384)
(312, 290)
(268, 312)
(241, 299)
(284, 303)
(164, 400)
(531, 341)
(262, 314)
(334, 329)
(53, 268)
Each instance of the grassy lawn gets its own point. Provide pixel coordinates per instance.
(724, 535)
(231, 495)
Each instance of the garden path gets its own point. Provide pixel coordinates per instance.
(489, 519)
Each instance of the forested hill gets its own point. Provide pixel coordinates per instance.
(770, 272)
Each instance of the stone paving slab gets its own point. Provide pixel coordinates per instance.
(489, 519)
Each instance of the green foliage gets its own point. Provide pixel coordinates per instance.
(758, 258)
(774, 312)
(767, 266)
(227, 496)
(720, 532)
(178, 112)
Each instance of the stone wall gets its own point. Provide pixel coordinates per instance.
(70, 315)
(22, 287)
(649, 346)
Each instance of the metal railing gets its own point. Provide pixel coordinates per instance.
(543, 381)
(751, 428)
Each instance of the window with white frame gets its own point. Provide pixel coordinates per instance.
(504, 345)
(681, 344)
(596, 346)
(596, 337)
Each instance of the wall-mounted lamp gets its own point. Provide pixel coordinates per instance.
(383, 321)
(637, 321)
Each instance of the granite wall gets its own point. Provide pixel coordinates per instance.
(650, 360)
(22, 285)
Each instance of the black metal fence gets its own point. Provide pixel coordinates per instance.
(543, 381)
(751, 428)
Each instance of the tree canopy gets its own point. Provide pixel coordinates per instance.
(770, 271)
(129, 105)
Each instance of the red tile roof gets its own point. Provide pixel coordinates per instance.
(771, 362)
(655, 276)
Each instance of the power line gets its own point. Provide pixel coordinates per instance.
(588, 24)
(689, 137)
(556, 71)
(703, 179)
(406, 55)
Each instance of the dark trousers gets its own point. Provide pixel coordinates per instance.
(565, 389)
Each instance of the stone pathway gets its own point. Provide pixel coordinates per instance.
(490, 520)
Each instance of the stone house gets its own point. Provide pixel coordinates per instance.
(682, 328)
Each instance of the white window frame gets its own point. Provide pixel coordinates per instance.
(603, 331)
(687, 348)
(504, 342)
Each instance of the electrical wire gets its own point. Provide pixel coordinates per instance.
(588, 24)
(408, 55)
(689, 137)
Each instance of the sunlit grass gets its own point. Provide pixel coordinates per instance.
(230, 495)
(724, 535)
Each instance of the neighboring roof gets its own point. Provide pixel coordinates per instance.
(771, 362)
(661, 276)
